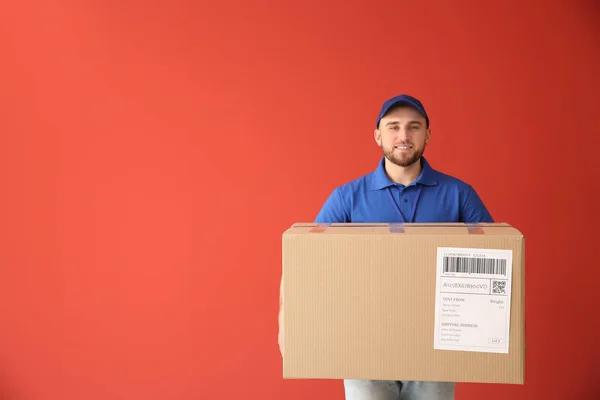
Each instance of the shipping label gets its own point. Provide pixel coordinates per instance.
(472, 304)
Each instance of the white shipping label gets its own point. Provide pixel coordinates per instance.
(472, 299)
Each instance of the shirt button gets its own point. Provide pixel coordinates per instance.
(406, 200)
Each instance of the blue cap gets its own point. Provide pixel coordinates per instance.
(402, 99)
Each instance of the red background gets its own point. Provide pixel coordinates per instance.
(145, 147)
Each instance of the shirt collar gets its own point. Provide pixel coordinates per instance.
(380, 180)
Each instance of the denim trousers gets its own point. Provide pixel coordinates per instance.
(398, 390)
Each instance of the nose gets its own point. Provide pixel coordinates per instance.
(403, 133)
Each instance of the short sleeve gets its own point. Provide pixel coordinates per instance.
(334, 210)
(473, 209)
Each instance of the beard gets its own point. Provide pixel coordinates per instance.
(402, 159)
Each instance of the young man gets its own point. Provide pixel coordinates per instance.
(403, 188)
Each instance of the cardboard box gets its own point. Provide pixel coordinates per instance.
(420, 302)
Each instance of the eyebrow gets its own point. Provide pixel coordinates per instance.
(396, 122)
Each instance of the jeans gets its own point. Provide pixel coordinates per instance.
(398, 390)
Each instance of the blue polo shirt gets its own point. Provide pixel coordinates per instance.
(432, 197)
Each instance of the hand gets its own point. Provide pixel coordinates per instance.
(280, 335)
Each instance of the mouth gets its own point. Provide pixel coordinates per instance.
(403, 147)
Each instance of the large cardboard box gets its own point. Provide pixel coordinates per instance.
(421, 302)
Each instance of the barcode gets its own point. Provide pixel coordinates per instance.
(473, 265)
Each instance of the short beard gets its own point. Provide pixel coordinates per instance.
(402, 161)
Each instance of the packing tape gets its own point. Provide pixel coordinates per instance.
(393, 227)
(475, 229)
(319, 228)
(398, 227)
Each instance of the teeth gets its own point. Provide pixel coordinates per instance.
(402, 147)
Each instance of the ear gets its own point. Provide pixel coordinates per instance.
(427, 135)
(377, 136)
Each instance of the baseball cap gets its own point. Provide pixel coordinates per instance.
(402, 99)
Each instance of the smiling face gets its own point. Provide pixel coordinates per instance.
(403, 135)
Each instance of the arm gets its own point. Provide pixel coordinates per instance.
(472, 209)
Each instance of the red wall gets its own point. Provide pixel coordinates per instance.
(146, 145)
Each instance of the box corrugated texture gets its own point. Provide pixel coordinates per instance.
(359, 302)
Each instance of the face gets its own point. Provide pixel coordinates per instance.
(403, 136)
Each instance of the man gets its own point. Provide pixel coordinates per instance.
(403, 188)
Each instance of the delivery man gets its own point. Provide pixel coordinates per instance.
(403, 188)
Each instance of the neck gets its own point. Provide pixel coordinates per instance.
(403, 175)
